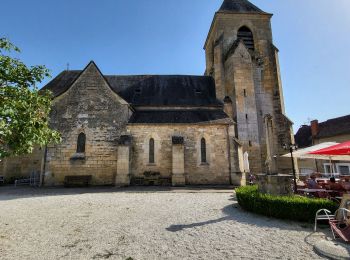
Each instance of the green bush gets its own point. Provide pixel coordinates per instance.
(291, 207)
(11, 180)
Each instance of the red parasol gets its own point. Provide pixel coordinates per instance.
(339, 149)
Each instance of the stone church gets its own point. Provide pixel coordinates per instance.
(173, 130)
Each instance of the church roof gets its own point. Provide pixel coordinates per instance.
(150, 90)
(62, 82)
(179, 117)
(239, 6)
(165, 90)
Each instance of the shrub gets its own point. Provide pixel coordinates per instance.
(11, 180)
(291, 207)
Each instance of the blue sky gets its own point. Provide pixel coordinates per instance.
(167, 37)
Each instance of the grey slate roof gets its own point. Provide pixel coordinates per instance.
(303, 137)
(335, 126)
(166, 90)
(151, 90)
(62, 82)
(329, 128)
(239, 6)
(178, 117)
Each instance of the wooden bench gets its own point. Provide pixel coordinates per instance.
(77, 180)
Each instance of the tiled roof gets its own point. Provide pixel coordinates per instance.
(62, 82)
(329, 128)
(335, 126)
(303, 137)
(239, 6)
(151, 90)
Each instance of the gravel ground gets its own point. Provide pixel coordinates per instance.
(107, 223)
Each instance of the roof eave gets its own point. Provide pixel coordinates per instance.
(245, 13)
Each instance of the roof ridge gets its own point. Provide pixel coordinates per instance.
(157, 75)
(334, 119)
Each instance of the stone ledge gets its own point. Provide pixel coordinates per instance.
(78, 156)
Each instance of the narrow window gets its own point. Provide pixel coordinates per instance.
(246, 35)
(245, 92)
(81, 143)
(151, 150)
(203, 151)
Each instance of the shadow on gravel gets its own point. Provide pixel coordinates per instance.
(234, 212)
(12, 193)
(175, 228)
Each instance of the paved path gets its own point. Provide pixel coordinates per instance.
(142, 223)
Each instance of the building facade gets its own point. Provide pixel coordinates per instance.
(162, 130)
(332, 130)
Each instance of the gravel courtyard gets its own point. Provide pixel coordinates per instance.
(107, 223)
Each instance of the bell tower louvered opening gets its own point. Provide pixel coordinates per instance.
(246, 35)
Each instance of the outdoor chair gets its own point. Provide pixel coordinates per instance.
(340, 228)
(323, 214)
(346, 186)
(339, 222)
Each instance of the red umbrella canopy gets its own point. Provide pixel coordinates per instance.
(339, 149)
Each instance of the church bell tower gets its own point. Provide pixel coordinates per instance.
(241, 57)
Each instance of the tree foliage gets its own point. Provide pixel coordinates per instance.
(24, 110)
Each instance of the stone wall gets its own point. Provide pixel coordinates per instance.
(227, 25)
(252, 80)
(22, 166)
(240, 88)
(92, 108)
(215, 171)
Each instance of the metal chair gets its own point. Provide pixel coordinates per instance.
(340, 228)
(327, 215)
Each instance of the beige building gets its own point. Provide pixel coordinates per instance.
(161, 130)
(332, 130)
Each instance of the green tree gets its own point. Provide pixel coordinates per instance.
(24, 110)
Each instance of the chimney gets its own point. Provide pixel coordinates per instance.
(314, 128)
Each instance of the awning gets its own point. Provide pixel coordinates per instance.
(304, 153)
(335, 150)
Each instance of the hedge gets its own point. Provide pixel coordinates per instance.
(291, 207)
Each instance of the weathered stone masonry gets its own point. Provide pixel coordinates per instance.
(173, 130)
(215, 171)
(89, 106)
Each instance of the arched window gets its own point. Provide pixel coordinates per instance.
(81, 143)
(203, 151)
(151, 150)
(246, 35)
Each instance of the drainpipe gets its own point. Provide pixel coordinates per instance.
(44, 168)
(229, 153)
